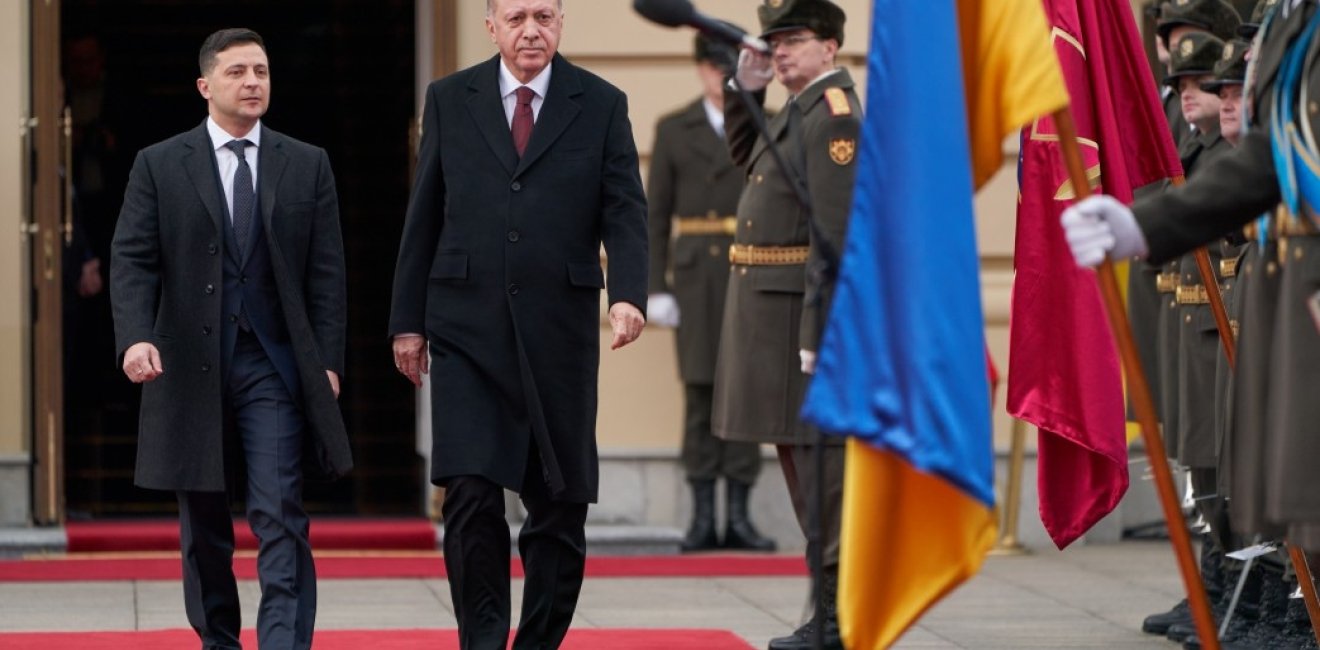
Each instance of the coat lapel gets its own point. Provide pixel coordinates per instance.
(199, 162)
(557, 112)
(487, 111)
(271, 161)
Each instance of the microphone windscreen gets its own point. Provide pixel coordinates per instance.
(671, 13)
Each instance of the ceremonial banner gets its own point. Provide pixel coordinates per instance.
(1064, 374)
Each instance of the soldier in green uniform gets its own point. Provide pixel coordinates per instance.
(775, 305)
(692, 190)
(1268, 165)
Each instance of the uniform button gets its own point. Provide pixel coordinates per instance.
(513, 235)
(243, 280)
(206, 329)
(742, 270)
(749, 223)
(513, 290)
(210, 289)
(711, 214)
(760, 178)
(714, 251)
(516, 186)
(1187, 318)
(233, 318)
(1297, 253)
(212, 249)
(206, 367)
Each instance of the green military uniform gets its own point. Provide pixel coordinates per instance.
(692, 191)
(1193, 335)
(775, 307)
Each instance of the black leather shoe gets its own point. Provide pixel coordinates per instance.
(1160, 623)
(701, 534)
(803, 637)
(739, 533)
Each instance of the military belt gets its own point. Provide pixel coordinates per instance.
(685, 226)
(1228, 266)
(749, 255)
(1167, 282)
(1192, 294)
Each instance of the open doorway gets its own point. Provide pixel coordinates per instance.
(342, 78)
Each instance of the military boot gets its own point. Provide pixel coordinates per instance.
(1297, 630)
(1213, 577)
(701, 534)
(1245, 615)
(804, 637)
(738, 531)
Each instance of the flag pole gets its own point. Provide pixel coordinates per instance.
(1008, 542)
(1211, 283)
(1139, 392)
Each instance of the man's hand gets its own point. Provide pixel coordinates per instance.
(1100, 225)
(755, 70)
(627, 322)
(334, 382)
(89, 283)
(808, 359)
(662, 309)
(142, 363)
(410, 357)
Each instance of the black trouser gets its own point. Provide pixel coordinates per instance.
(799, 465)
(553, 547)
(270, 427)
(705, 457)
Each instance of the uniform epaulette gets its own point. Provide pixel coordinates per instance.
(838, 102)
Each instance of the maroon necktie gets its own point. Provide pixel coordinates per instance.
(522, 119)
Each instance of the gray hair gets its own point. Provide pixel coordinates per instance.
(490, 7)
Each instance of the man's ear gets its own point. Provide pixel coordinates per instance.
(203, 87)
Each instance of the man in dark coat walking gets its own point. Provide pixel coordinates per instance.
(227, 285)
(527, 165)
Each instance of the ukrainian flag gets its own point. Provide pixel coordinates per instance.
(902, 366)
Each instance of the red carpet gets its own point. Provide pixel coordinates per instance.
(163, 535)
(398, 565)
(378, 640)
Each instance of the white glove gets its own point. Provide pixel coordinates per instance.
(808, 361)
(755, 70)
(1100, 224)
(662, 309)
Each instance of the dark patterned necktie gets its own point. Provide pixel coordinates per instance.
(522, 119)
(245, 199)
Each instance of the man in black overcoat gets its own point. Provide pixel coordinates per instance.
(227, 287)
(527, 165)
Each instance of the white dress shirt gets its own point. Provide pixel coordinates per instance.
(509, 84)
(715, 116)
(227, 162)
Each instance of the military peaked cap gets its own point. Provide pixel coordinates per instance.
(1215, 16)
(820, 16)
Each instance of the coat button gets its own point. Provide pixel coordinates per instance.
(206, 330)
(516, 186)
(233, 318)
(210, 289)
(206, 367)
(714, 251)
(513, 235)
(513, 290)
(242, 280)
(212, 249)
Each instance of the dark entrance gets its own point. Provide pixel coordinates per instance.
(342, 78)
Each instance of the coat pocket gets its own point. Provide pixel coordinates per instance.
(450, 266)
(586, 274)
(779, 279)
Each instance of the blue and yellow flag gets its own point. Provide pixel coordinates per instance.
(902, 366)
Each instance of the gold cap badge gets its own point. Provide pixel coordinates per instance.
(1186, 47)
